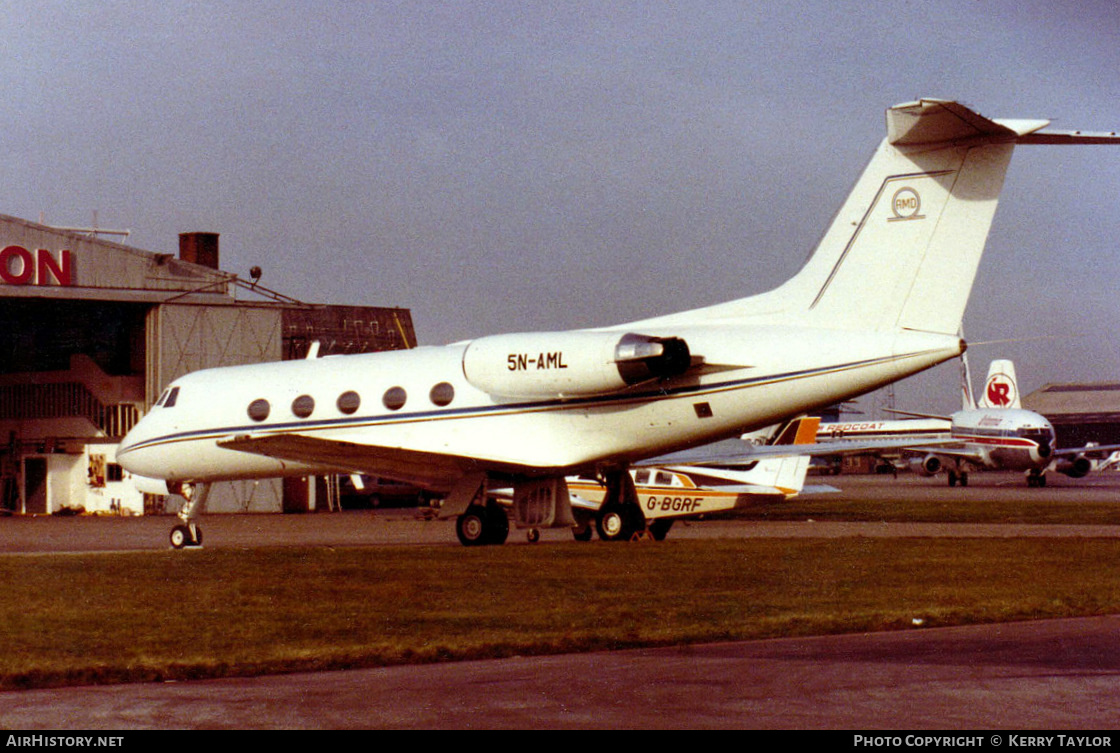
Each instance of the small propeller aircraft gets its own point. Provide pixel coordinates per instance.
(758, 475)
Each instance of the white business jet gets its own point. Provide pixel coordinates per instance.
(880, 299)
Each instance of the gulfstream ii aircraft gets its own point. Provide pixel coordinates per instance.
(881, 298)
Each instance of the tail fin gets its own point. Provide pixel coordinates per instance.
(1001, 390)
(902, 253)
(802, 430)
(788, 473)
(904, 248)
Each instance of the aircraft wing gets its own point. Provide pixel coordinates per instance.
(735, 452)
(428, 469)
(1086, 449)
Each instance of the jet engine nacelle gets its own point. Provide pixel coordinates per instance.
(570, 364)
(1079, 467)
(930, 465)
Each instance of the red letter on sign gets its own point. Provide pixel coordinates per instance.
(61, 274)
(27, 268)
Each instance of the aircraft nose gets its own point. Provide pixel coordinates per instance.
(130, 454)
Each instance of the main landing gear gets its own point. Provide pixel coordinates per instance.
(620, 516)
(1036, 478)
(188, 533)
(481, 525)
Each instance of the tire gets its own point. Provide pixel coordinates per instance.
(615, 523)
(180, 537)
(533, 535)
(498, 523)
(582, 534)
(659, 528)
(471, 527)
(482, 526)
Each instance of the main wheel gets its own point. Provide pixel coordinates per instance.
(498, 523)
(480, 526)
(615, 523)
(471, 526)
(582, 534)
(659, 528)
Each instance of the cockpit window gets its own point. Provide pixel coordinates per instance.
(172, 396)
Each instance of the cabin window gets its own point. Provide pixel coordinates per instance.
(442, 394)
(259, 409)
(664, 479)
(348, 402)
(641, 477)
(303, 406)
(394, 398)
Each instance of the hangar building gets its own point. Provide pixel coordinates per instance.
(92, 330)
(1080, 412)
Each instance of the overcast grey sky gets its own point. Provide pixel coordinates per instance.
(505, 166)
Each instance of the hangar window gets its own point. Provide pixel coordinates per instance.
(258, 410)
(394, 398)
(442, 394)
(348, 402)
(303, 406)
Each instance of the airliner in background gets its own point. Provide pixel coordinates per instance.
(994, 433)
(998, 434)
(880, 299)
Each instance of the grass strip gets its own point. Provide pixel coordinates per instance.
(1035, 509)
(100, 618)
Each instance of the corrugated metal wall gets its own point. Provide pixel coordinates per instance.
(184, 338)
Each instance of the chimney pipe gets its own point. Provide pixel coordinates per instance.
(199, 248)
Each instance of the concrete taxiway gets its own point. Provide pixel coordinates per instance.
(1053, 674)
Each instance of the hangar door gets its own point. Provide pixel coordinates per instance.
(187, 337)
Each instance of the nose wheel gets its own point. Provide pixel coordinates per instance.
(188, 534)
(183, 536)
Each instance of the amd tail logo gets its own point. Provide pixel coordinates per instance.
(906, 204)
(19, 267)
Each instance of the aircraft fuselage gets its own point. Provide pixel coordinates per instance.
(421, 400)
